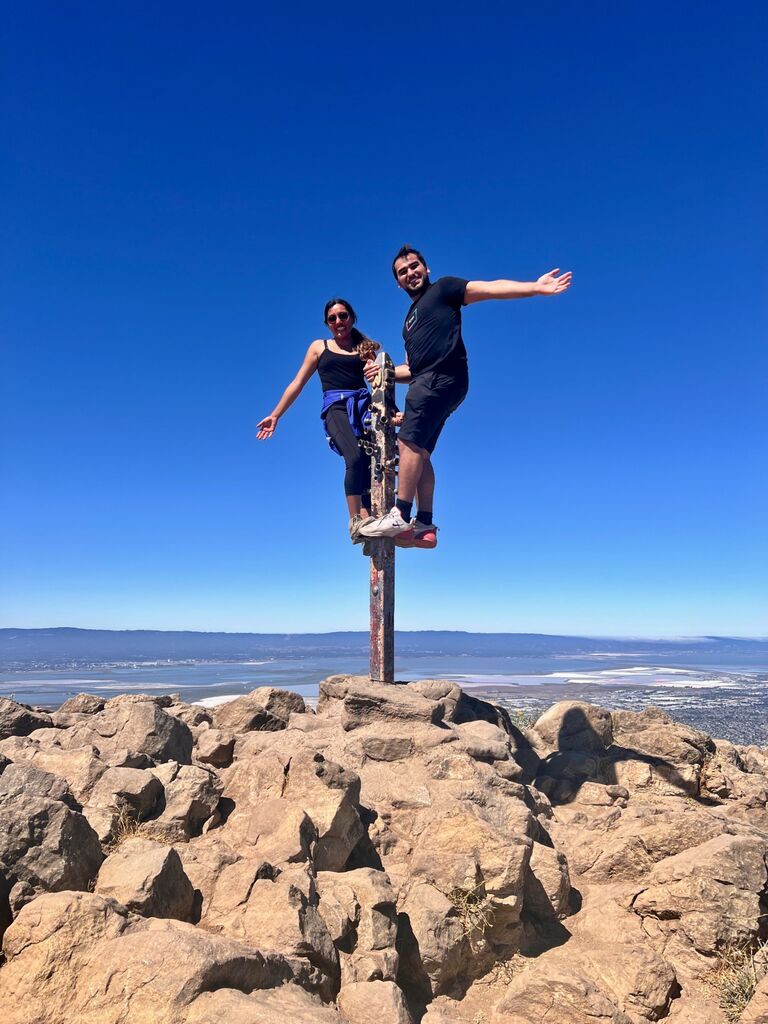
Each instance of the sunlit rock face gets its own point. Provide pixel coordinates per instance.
(403, 854)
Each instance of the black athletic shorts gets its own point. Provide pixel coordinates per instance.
(431, 399)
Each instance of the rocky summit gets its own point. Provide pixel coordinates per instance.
(403, 854)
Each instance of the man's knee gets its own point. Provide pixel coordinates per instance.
(409, 446)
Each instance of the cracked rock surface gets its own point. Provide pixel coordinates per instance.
(404, 854)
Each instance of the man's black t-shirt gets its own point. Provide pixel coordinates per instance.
(432, 329)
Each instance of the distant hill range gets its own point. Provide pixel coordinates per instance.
(76, 648)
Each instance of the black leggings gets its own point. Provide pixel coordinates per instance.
(357, 479)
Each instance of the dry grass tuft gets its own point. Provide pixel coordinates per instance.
(735, 978)
(474, 910)
(129, 826)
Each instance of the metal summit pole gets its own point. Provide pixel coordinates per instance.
(382, 598)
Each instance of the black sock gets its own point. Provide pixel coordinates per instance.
(425, 518)
(405, 507)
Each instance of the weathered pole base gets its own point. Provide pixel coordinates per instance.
(382, 611)
(382, 551)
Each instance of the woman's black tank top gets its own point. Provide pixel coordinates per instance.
(340, 373)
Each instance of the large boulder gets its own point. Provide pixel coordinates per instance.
(289, 1003)
(280, 831)
(365, 1001)
(147, 878)
(475, 862)
(45, 844)
(253, 904)
(626, 843)
(330, 794)
(190, 801)
(652, 751)
(263, 708)
(557, 996)
(358, 701)
(214, 747)
(78, 958)
(132, 790)
(359, 910)
(432, 942)
(132, 732)
(574, 725)
(83, 704)
(20, 719)
(709, 897)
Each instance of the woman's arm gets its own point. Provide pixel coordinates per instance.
(267, 426)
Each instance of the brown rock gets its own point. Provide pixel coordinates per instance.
(132, 790)
(214, 747)
(132, 730)
(288, 1004)
(77, 958)
(20, 719)
(193, 715)
(629, 842)
(709, 896)
(278, 917)
(81, 768)
(281, 831)
(192, 796)
(558, 997)
(465, 853)
(45, 845)
(330, 795)
(147, 878)
(359, 910)
(83, 704)
(573, 725)
(548, 883)
(264, 708)
(484, 741)
(432, 943)
(757, 1008)
(360, 702)
(365, 1001)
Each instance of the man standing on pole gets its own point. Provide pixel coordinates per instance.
(436, 368)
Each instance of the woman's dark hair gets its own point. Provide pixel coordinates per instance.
(361, 340)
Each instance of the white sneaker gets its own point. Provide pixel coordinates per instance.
(386, 526)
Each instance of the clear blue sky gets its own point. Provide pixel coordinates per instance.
(184, 185)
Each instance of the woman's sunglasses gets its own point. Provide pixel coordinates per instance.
(343, 317)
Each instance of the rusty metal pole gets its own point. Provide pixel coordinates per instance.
(382, 599)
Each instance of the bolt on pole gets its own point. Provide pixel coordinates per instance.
(382, 550)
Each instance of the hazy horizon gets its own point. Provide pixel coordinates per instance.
(586, 635)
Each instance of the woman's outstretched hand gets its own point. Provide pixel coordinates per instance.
(265, 428)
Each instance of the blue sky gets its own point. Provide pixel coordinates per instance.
(183, 187)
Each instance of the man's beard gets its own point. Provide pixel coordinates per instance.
(413, 292)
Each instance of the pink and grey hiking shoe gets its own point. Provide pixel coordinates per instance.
(424, 536)
(418, 535)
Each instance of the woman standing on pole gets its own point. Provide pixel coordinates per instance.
(339, 362)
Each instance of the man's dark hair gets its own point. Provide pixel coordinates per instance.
(406, 250)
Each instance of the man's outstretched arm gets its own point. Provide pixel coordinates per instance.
(548, 284)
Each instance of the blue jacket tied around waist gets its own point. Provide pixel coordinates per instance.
(358, 411)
